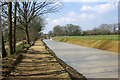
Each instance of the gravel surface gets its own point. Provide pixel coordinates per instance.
(39, 63)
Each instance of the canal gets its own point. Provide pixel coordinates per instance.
(91, 62)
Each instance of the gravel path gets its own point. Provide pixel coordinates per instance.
(39, 64)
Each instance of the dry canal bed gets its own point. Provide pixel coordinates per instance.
(92, 63)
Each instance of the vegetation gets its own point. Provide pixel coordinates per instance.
(67, 30)
(23, 21)
(19, 48)
(75, 30)
(99, 37)
(105, 42)
(103, 29)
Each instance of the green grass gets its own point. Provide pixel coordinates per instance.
(5, 42)
(105, 42)
(19, 48)
(99, 37)
(26, 46)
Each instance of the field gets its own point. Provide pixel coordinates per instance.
(105, 42)
(100, 37)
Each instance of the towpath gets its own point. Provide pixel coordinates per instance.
(39, 64)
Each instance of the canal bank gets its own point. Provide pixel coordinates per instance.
(92, 63)
(104, 44)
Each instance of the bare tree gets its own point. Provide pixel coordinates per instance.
(2, 28)
(73, 30)
(50, 33)
(115, 26)
(67, 30)
(15, 10)
(103, 29)
(29, 10)
(36, 26)
(57, 30)
(10, 27)
(4, 54)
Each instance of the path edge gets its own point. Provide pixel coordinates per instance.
(75, 75)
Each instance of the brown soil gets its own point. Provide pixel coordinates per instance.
(38, 64)
(8, 64)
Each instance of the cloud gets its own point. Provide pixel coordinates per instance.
(47, 19)
(72, 14)
(87, 16)
(62, 20)
(116, 4)
(103, 8)
(115, 18)
(73, 17)
(55, 21)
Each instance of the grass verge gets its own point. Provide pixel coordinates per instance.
(104, 44)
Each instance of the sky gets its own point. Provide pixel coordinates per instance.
(85, 14)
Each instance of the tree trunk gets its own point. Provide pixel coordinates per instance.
(15, 28)
(0, 43)
(0, 35)
(10, 28)
(4, 54)
(27, 36)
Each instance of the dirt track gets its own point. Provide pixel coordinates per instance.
(39, 63)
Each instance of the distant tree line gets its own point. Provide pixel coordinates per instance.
(67, 30)
(103, 29)
(75, 30)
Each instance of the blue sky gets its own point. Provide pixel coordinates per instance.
(85, 14)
